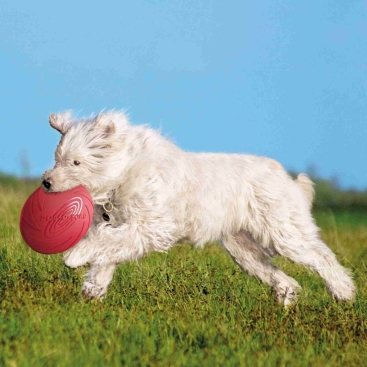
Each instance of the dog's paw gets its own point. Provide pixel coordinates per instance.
(92, 290)
(286, 294)
(73, 260)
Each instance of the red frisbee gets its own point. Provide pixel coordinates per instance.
(54, 222)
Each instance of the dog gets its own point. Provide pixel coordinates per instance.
(150, 195)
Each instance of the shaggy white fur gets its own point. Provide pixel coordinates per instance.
(162, 195)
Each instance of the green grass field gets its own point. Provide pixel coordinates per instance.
(189, 307)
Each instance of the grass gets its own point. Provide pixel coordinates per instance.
(189, 307)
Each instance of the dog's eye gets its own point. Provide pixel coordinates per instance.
(76, 163)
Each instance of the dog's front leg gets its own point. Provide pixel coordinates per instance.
(83, 252)
(98, 279)
(79, 255)
(125, 243)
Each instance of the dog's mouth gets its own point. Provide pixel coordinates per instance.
(57, 188)
(49, 191)
(53, 189)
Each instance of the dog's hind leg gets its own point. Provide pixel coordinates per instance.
(301, 243)
(255, 260)
(98, 279)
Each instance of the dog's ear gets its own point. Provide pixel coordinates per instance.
(105, 124)
(61, 121)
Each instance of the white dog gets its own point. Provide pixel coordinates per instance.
(149, 195)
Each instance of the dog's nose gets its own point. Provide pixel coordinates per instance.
(46, 183)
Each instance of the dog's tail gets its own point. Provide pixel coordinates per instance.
(305, 183)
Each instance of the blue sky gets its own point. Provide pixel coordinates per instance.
(284, 79)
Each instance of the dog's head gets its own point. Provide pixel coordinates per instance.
(88, 151)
